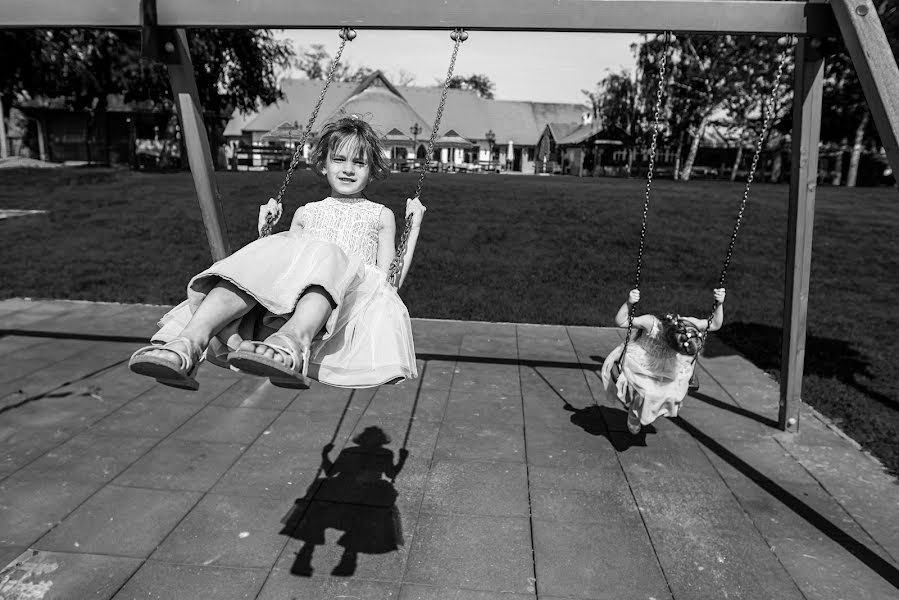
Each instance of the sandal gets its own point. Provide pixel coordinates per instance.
(178, 374)
(291, 373)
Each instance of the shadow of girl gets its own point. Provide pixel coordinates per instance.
(353, 497)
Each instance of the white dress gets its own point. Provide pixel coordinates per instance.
(367, 339)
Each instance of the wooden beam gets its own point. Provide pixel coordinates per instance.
(769, 17)
(808, 92)
(193, 132)
(875, 66)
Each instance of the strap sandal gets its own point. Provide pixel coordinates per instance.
(177, 371)
(290, 373)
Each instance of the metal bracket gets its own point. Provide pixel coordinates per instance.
(156, 43)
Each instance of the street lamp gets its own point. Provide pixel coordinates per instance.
(415, 130)
(490, 137)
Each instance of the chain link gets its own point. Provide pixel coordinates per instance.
(663, 62)
(759, 144)
(346, 35)
(396, 266)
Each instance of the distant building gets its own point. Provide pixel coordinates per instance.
(499, 134)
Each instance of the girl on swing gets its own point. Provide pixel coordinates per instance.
(653, 377)
(310, 301)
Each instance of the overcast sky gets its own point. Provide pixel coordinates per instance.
(543, 67)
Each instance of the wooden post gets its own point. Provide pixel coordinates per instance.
(807, 95)
(877, 71)
(193, 132)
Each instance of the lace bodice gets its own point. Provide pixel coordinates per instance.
(352, 224)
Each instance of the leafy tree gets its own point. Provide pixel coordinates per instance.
(479, 83)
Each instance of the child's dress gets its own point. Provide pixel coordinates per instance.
(367, 339)
(654, 377)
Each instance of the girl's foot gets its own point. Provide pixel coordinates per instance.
(280, 357)
(174, 363)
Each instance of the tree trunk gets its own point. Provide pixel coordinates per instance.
(737, 159)
(838, 165)
(776, 166)
(4, 143)
(677, 154)
(852, 176)
(694, 148)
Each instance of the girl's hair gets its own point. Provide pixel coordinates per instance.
(355, 138)
(681, 335)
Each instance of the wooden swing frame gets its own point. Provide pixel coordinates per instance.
(163, 23)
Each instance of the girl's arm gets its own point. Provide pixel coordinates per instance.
(717, 316)
(417, 210)
(644, 322)
(297, 221)
(386, 235)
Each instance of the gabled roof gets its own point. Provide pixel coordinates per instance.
(559, 131)
(595, 132)
(471, 116)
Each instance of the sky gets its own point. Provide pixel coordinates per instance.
(536, 66)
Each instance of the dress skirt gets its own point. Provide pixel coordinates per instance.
(365, 342)
(645, 393)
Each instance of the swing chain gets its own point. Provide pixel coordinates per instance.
(663, 61)
(770, 101)
(396, 266)
(346, 35)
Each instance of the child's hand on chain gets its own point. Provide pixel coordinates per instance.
(415, 208)
(272, 208)
(633, 297)
(719, 294)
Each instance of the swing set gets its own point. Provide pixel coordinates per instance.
(163, 24)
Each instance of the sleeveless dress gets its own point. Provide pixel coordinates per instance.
(654, 377)
(367, 339)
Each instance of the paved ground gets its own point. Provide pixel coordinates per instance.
(520, 480)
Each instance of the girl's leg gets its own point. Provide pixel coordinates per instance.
(309, 316)
(224, 303)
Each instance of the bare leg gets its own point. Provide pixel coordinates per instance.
(309, 316)
(224, 303)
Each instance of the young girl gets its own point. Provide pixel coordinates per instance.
(658, 363)
(316, 295)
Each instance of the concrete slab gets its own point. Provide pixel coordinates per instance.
(283, 585)
(181, 465)
(163, 580)
(477, 488)
(92, 456)
(220, 424)
(62, 576)
(31, 505)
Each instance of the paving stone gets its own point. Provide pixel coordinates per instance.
(545, 342)
(181, 465)
(599, 561)
(568, 385)
(231, 531)
(253, 392)
(162, 581)
(477, 488)
(420, 436)
(220, 424)
(271, 472)
(21, 445)
(32, 315)
(210, 389)
(487, 379)
(147, 417)
(311, 428)
(493, 408)
(569, 447)
(282, 585)
(593, 344)
(669, 463)
(478, 553)
(379, 535)
(11, 305)
(35, 357)
(478, 440)
(120, 521)
(435, 374)
(860, 484)
(321, 396)
(14, 345)
(706, 543)
(403, 403)
(547, 410)
(31, 505)
(498, 345)
(9, 553)
(116, 386)
(422, 592)
(62, 576)
(433, 336)
(92, 456)
(91, 318)
(582, 495)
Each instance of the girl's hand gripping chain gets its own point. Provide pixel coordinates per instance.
(415, 208)
(719, 294)
(269, 215)
(633, 297)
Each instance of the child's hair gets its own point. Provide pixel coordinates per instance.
(355, 138)
(681, 335)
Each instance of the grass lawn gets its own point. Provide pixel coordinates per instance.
(523, 249)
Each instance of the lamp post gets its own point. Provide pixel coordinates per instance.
(490, 137)
(415, 130)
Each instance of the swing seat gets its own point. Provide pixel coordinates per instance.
(291, 373)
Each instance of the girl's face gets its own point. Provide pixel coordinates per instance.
(347, 169)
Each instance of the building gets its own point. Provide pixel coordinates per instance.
(475, 133)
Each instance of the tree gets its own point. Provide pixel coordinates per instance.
(478, 83)
(616, 103)
(235, 69)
